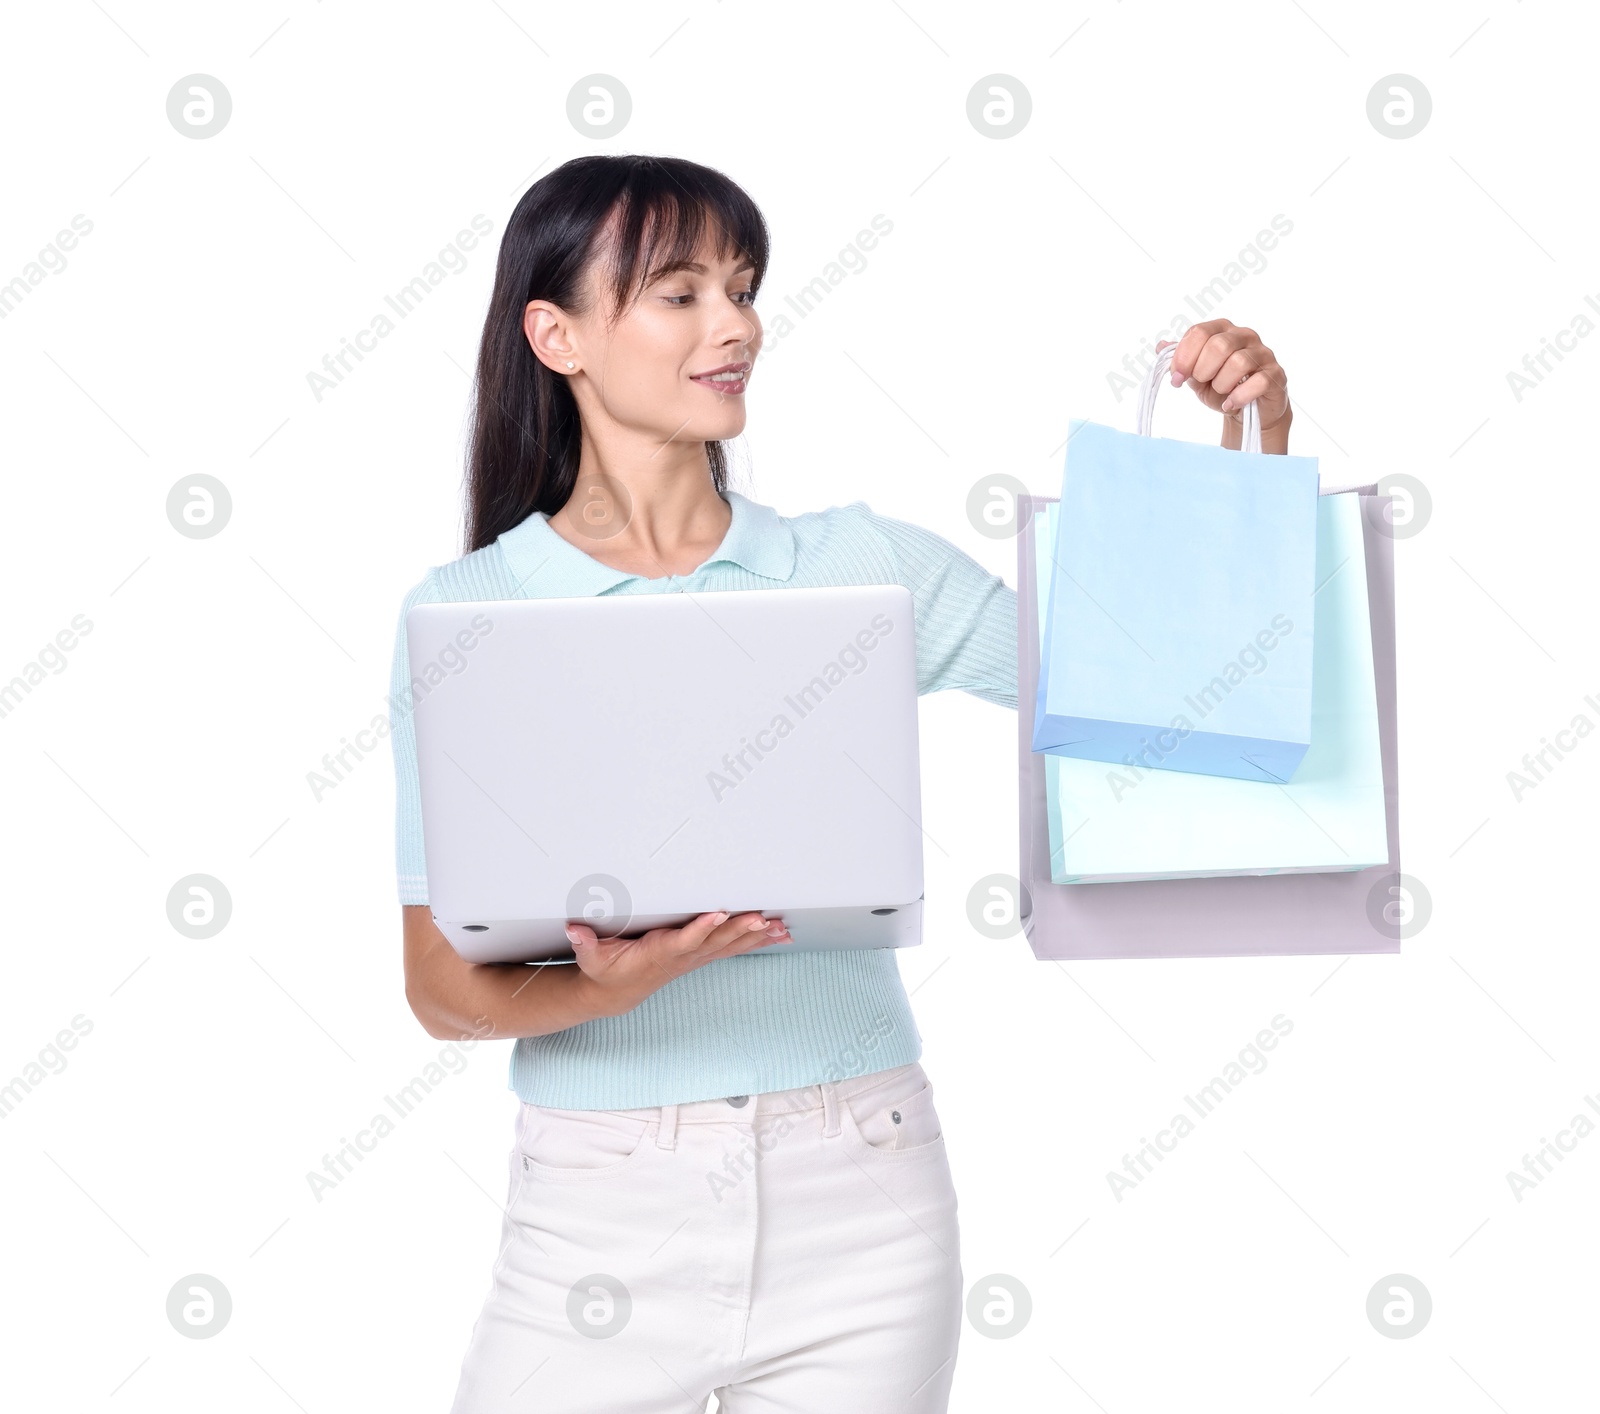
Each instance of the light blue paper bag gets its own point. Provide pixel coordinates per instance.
(1178, 624)
(1112, 823)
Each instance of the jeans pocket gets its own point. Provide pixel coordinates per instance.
(895, 1124)
(577, 1144)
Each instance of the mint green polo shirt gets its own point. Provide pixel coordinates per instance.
(769, 1020)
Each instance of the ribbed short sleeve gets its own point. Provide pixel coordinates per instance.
(410, 864)
(966, 617)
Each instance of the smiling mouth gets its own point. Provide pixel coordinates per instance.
(731, 379)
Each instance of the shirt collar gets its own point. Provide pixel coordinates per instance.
(544, 565)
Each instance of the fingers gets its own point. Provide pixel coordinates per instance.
(1192, 347)
(699, 930)
(676, 950)
(693, 934)
(1235, 368)
(1227, 346)
(700, 939)
(1252, 375)
(1250, 386)
(748, 931)
(775, 934)
(1229, 366)
(714, 935)
(1206, 349)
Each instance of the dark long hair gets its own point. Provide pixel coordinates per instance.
(525, 430)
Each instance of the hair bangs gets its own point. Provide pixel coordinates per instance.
(664, 220)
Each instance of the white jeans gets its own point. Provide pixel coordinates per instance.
(795, 1253)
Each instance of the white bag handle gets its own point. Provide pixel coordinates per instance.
(1158, 375)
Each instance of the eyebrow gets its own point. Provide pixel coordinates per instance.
(693, 267)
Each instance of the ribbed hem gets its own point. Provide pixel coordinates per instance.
(413, 888)
(739, 1026)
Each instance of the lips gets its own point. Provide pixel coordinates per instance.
(730, 378)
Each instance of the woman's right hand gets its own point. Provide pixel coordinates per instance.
(625, 971)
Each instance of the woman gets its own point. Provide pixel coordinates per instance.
(728, 1173)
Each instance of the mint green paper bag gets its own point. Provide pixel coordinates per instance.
(1121, 822)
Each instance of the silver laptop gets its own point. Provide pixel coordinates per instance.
(632, 762)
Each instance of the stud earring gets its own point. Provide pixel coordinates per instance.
(569, 363)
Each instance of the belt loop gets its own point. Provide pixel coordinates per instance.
(830, 1110)
(667, 1130)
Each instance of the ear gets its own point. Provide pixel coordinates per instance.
(551, 336)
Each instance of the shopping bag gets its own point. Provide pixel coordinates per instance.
(1178, 569)
(1115, 822)
(1231, 916)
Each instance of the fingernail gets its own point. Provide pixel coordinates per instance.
(757, 924)
(1177, 379)
(721, 916)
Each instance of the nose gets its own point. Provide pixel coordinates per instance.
(736, 326)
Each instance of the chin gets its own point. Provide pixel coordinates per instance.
(716, 429)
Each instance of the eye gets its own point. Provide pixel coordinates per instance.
(746, 297)
(677, 301)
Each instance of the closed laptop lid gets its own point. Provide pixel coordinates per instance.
(610, 756)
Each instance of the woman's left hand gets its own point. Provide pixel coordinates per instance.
(1228, 367)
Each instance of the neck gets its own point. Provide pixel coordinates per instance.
(639, 504)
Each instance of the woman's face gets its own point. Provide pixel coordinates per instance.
(674, 365)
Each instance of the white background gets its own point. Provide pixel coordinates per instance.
(1019, 272)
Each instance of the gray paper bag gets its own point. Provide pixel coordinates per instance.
(1242, 916)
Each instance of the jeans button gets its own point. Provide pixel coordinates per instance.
(738, 1101)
